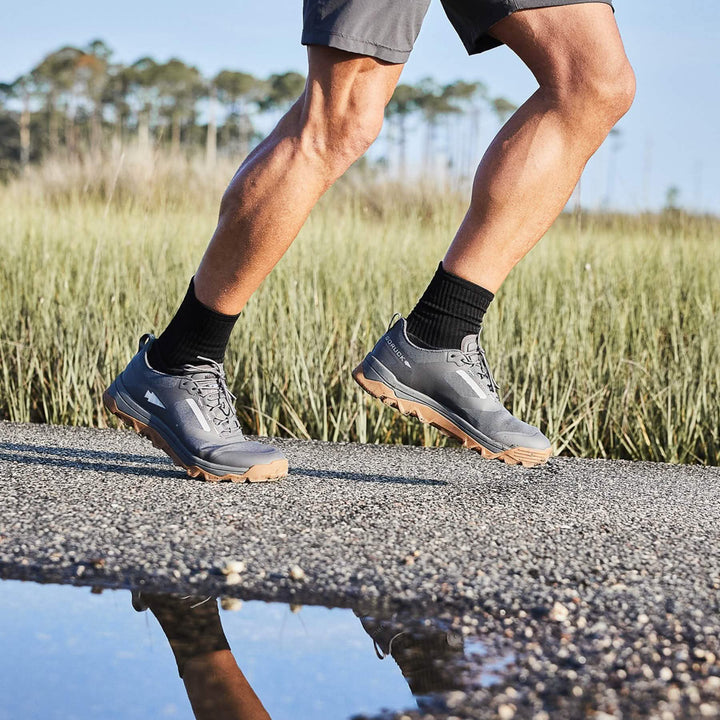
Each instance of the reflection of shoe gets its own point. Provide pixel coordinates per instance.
(453, 390)
(428, 656)
(138, 601)
(192, 418)
(141, 601)
(190, 623)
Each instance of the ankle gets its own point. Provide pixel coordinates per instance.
(450, 309)
(195, 332)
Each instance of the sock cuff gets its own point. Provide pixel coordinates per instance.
(450, 309)
(192, 297)
(196, 331)
(466, 289)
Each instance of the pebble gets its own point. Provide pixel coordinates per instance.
(297, 573)
(231, 604)
(455, 698)
(559, 613)
(234, 566)
(506, 712)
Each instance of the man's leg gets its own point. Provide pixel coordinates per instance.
(174, 389)
(432, 365)
(531, 167)
(334, 122)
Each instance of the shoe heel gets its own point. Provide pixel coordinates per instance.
(112, 407)
(373, 383)
(115, 403)
(108, 399)
(373, 369)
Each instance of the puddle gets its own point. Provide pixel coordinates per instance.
(75, 653)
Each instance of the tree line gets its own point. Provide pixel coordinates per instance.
(78, 101)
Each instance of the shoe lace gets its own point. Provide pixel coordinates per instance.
(478, 361)
(212, 387)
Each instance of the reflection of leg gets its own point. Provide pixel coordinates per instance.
(426, 655)
(218, 690)
(215, 685)
(191, 625)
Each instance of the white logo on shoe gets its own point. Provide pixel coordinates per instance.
(478, 390)
(198, 414)
(152, 398)
(394, 348)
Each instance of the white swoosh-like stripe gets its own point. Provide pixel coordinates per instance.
(478, 390)
(198, 414)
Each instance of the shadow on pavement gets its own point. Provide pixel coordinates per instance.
(83, 459)
(154, 466)
(363, 477)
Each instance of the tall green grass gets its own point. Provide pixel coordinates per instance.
(606, 336)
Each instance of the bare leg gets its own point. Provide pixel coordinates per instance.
(216, 687)
(530, 169)
(329, 127)
(218, 690)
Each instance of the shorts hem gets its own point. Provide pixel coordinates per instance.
(355, 45)
(485, 41)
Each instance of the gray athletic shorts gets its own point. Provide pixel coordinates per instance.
(387, 29)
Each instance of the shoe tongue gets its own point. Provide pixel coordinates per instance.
(470, 343)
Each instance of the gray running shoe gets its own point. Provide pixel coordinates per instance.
(192, 418)
(453, 390)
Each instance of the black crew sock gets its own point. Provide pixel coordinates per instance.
(195, 332)
(449, 309)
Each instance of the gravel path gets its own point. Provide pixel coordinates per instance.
(602, 579)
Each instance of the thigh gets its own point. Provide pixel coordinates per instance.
(475, 20)
(565, 43)
(345, 82)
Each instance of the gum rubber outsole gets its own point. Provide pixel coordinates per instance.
(257, 473)
(527, 457)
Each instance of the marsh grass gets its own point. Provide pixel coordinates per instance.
(606, 335)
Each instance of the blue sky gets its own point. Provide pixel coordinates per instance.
(670, 137)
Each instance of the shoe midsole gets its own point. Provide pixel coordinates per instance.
(373, 369)
(127, 405)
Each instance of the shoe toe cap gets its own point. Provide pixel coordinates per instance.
(246, 453)
(528, 437)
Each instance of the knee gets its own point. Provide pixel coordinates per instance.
(338, 133)
(602, 92)
(613, 90)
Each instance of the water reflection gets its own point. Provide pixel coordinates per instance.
(429, 657)
(215, 685)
